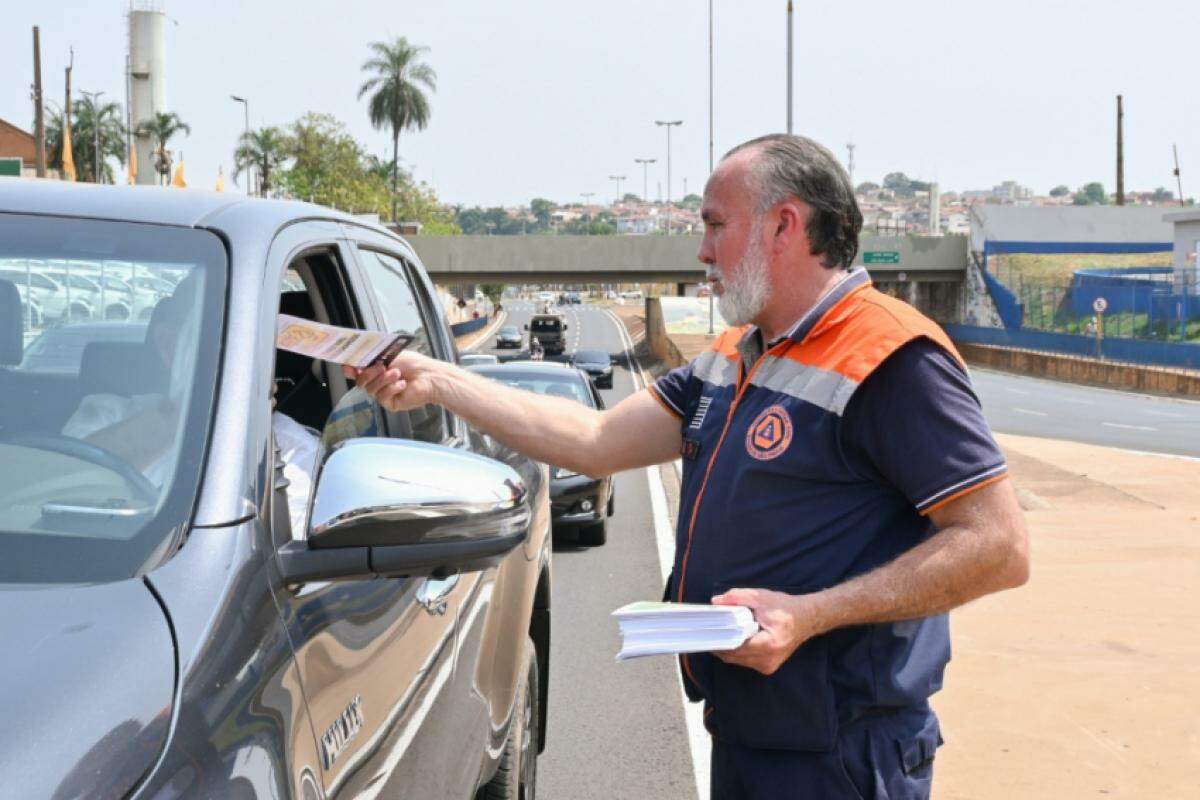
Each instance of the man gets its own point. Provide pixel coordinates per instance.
(838, 479)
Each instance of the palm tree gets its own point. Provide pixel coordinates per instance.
(397, 100)
(265, 149)
(84, 119)
(161, 128)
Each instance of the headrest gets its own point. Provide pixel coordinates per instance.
(12, 325)
(287, 364)
(124, 368)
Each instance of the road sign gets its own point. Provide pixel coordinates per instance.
(10, 167)
(881, 257)
(1099, 305)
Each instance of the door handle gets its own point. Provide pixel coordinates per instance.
(433, 593)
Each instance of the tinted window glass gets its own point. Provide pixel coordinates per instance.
(103, 421)
(400, 306)
(569, 385)
(545, 325)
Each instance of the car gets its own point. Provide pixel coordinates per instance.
(472, 359)
(49, 295)
(166, 630)
(509, 336)
(597, 364)
(550, 330)
(577, 502)
(631, 294)
(60, 349)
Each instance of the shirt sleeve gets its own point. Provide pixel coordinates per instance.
(671, 390)
(915, 423)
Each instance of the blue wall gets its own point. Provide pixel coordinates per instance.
(1138, 351)
(1125, 292)
(470, 326)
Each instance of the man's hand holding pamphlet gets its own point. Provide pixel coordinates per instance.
(356, 348)
(651, 629)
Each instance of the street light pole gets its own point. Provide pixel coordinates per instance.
(668, 124)
(618, 179)
(710, 86)
(645, 162)
(587, 201)
(789, 67)
(91, 97)
(246, 108)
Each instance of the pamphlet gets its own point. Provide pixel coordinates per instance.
(650, 628)
(357, 348)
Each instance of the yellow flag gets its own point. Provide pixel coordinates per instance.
(132, 164)
(68, 158)
(178, 179)
(220, 179)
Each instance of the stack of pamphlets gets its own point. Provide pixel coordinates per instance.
(357, 348)
(651, 629)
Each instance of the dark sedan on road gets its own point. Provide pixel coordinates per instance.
(597, 364)
(509, 336)
(577, 502)
(174, 625)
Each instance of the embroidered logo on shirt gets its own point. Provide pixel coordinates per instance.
(769, 434)
(701, 413)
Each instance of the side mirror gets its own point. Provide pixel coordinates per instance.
(526, 326)
(391, 508)
(565, 327)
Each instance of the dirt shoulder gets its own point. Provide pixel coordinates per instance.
(1084, 682)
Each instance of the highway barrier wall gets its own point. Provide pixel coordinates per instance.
(470, 326)
(1145, 352)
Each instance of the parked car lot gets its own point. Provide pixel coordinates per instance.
(578, 502)
(168, 632)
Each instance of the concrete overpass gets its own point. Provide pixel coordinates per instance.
(655, 259)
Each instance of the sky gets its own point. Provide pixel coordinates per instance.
(549, 99)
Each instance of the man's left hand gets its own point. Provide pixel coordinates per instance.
(785, 622)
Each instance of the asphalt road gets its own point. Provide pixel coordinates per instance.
(615, 730)
(1035, 407)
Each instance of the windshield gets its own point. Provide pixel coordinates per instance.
(591, 357)
(569, 384)
(509, 330)
(105, 404)
(546, 325)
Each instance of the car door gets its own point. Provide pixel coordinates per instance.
(453, 735)
(369, 653)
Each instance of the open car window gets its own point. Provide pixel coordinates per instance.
(106, 396)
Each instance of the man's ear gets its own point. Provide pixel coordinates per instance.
(790, 218)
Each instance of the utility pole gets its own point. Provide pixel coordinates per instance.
(668, 124)
(91, 98)
(39, 121)
(1178, 179)
(710, 86)
(1120, 152)
(249, 172)
(618, 179)
(587, 202)
(645, 162)
(789, 67)
(850, 162)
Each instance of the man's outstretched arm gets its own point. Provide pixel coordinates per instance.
(636, 432)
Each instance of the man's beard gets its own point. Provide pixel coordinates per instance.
(746, 291)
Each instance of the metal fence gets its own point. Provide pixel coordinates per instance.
(1151, 303)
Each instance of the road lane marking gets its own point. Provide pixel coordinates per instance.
(699, 742)
(1030, 412)
(1076, 402)
(1016, 391)
(1128, 427)
(1166, 414)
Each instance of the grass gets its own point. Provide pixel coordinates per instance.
(1057, 269)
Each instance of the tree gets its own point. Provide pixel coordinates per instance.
(1162, 195)
(397, 100)
(900, 184)
(630, 197)
(162, 127)
(692, 201)
(542, 209)
(1091, 194)
(331, 168)
(266, 149)
(866, 187)
(84, 119)
(1060, 191)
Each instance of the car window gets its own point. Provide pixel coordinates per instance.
(568, 385)
(399, 304)
(103, 422)
(545, 325)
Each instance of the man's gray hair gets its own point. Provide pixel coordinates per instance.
(786, 166)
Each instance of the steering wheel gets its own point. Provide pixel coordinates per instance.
(86, 451)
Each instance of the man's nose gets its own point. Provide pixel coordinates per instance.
(705, 254)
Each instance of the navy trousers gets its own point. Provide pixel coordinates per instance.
(887, 757)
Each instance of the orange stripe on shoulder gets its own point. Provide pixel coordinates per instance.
(726, 344)
(858, 334)
(654, 393)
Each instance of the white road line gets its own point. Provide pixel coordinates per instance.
(1011, 390)
(1166, 414)
(1075, 401)
(664, 538)
(488, 334)
(1030, 412)
(1128, 427)
(1158, 455)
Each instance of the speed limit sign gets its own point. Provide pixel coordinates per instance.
(1099, 305)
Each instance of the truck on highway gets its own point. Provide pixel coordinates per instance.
(550, 330)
